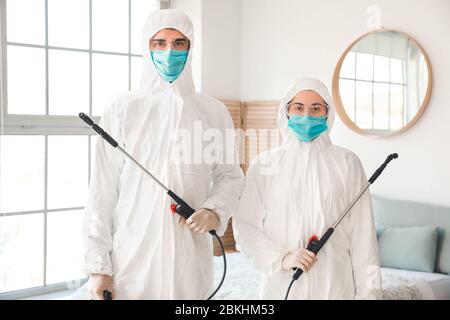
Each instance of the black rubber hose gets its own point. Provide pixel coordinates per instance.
(224, 267)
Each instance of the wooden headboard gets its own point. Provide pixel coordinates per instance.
(248, 115)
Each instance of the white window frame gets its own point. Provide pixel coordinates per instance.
(51, 124)
(372, 130)
(13, 124)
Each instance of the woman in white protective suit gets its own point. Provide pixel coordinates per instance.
(134, 245)
(300, 189)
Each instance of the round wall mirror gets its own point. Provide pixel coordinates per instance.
(382, 83)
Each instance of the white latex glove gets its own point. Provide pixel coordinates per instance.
(98, 283)
(300, 258)
(201, 221)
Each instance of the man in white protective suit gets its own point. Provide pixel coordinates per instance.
(307, 188)
(135, 246)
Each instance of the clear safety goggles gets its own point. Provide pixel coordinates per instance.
(163, 44)
(313, 110)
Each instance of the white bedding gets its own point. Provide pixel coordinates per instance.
(243, 282)
(437, 285)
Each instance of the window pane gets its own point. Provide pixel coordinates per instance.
(64, 246)
(136, 72)
(381, 69)
(68, 23)
(364, 104)
(68, 82)
(109, 78)
(26, 21)
(67, 171)
(396, 106)
(348, 66)
(21, 251)
(26, 80)
(21, 178)
(140, 9)
(110, 25)
(380, 106)
(347, 92)
(364, 66)
(397, 71)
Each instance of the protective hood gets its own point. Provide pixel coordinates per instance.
(303, 84)
(151, 82)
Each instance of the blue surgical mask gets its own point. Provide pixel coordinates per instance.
(169, 63)
(307, 128)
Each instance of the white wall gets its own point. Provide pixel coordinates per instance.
(284, 39)
(193, 8)
(221, 48)
(216, 60)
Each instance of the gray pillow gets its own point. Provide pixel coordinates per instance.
(409, 248)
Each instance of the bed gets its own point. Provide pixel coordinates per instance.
(243, 282)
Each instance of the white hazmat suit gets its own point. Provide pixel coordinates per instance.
(280, 209)
(130, 231)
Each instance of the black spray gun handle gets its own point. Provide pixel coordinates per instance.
(98, 129)
(107, 295)
(182, 208)
(314, 245)
(382, 167)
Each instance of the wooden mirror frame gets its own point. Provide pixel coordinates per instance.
(337, 98)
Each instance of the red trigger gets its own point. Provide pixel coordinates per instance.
(173, 207)
(313, 238)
